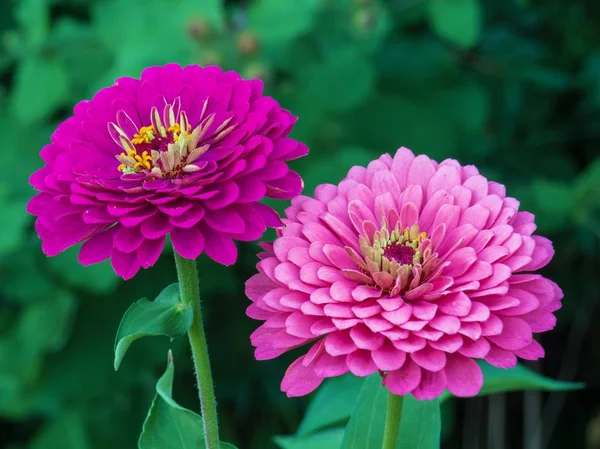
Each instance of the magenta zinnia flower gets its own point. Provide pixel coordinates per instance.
(410, 268)
(182, 151)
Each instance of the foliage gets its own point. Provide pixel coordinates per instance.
(513, 87)
(349, 412)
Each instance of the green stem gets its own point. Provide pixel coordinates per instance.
(392, 421)
(190, 296)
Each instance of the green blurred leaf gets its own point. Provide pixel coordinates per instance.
(341, 82)
(276, 22)
(420, 424)
(498, 380)
(519, 378)
(97, 278)
(365, 428)
(553, 203)
(332, 404)
(14, 221)
(326, 439)
(459, 21)
(41, 86)
(34, 18)
(168, 425)
(166, 315)
(66, 432)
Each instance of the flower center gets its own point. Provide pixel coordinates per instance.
(167, 147)
(391, 259)
(389, 250)
(400, 253)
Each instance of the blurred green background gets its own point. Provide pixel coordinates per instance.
(512, 86)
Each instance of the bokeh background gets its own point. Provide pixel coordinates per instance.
(512, 86)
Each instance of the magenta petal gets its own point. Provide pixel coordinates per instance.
(125, 265)
(128, 239)
(225, 220)
(463, 375)
(188, 243)
(149, 251)
(98, 248)
(219, 246)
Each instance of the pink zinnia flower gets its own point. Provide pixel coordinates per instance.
(182, 151)
(410, 268)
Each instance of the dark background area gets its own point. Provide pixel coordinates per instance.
(512, 86)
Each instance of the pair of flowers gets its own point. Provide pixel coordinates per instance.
(408, 267)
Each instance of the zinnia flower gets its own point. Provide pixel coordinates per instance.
(408, 268)
(182, 151)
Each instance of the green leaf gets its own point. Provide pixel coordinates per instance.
(66, 432)
(168, 425)
(498, 380)
(326, 439)
(459, 21)
(365, 428)
(166, 315)
(332, 404)
(519, 378)
(34, 18)
(276, 22)
(41, 86)
(340, 83)
(421, 424)
(14, 220)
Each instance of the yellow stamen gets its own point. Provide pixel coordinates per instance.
(145, 135)
(176, 130)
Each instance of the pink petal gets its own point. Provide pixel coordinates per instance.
(445, 178)
(299, 380)
(401, 165)
(477, 349)
(532, 351)
(463, 375)
(403, 380)
(456, 304)
(360, 363)
(429, 358)
(431, 386)
(329, 366)
(421, 170)
(365, 339)
(447, 324)
(388, 358)
(339, 343)
(516, 334)
(500, 358)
